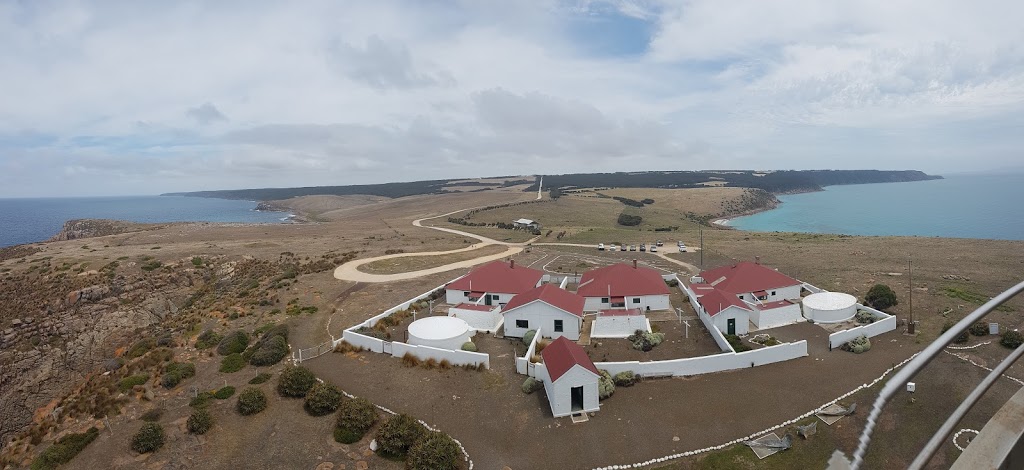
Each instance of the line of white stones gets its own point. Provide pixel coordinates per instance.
(755, 435)
(961, 348)
(957, 436)
(983, 367)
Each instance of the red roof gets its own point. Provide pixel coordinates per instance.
(479, 308)
(620, 280)
(562, 354)
(746, 277)
(550, 294)
(714, 301)
(619, 312)
(498, 277)
(776, 304)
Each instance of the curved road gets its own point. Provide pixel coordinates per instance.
(350, 271)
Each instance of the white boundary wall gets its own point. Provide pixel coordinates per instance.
(523, 363)
(618, 326)
(710, 364)
(884, 324)
(457, 358)
(706, 319)
(488, 322)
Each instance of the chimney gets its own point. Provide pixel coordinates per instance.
(757, 260)
(512, 264)
(634, 264)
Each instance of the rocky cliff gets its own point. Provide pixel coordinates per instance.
(86, 228)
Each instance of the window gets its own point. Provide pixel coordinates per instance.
(636, 300)
(773, 292)
(465, 293)
(604, 300)
(494, 297)
(741, 296)
(522, 323)
(558, 326)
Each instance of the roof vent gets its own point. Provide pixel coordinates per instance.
(512, 264)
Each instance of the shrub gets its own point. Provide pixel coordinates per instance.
(1012, 339)
(605, 385)
(857, 345)
(864, 316)
(175, 372)
(65, 449)
(199, 421)
(208, 339)
(629, 220)
(295, 382)
(397, 435)
(345, 436)
(737, 343)
(531, 385)
(126, 384)
(645, 341)
(251, 401)
(469, 346)
(434, 451)
(232, 363)
(528, 337)
(270, 348)
(410, 360)
(234, 342)
(201, 400)
(355, 417)
(197, 262)
(224, 392)
(140, 347)
(625, 379)
(880, 296)
(323, 399)
(260, 378)
(979, 329)
(153, 415)
(149, 438)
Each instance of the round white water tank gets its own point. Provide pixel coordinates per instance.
(829, 307)
(440, 332)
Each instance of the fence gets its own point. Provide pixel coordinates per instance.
(315, 351)
(710, 364)
(523, 364)
(885, 324)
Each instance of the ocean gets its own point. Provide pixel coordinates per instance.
(36, 219)
(960, 206)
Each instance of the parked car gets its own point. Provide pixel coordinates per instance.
(659, 243)
(632, 247)
(612, 248)
(600, 246)
(643, 247)
(654, 248)
(682, 248)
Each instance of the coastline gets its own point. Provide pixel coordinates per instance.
(722, 223)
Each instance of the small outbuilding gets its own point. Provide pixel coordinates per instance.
(571, 382)
(556, 312)
(525, 223)
(728, 313)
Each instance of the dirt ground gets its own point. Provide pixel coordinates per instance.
(675, 346)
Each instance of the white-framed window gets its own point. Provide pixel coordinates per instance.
(522, 323)
(465, 293)
(558, 326)
(636, 300)
(604, 300)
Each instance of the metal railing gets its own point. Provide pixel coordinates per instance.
(908, 372)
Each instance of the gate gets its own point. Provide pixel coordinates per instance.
(387, 347)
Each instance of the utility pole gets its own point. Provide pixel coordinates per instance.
(910, 274)
(701, 248)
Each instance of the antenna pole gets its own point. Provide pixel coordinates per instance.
(702, 248)
(910, 273)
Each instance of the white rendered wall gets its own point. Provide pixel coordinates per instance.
(884, 324)
(742, 317)
(542, 316)
(477, 320)
(618, 326)
(456, 357)
(710, 364)
(779, 317)
(655, 302)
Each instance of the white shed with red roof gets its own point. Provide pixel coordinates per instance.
(494, 283)
(571, 382)
(752, 282)
(556, 312)
(728, 313)
(623, 286)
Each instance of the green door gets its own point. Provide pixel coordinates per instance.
(731, 326)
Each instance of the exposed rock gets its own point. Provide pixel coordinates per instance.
(87, 228)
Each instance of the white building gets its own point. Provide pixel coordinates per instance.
(751, 282)
(623, 286)
(494, 283)
(525, 223)
(555, 311)
(571, 379)
(766, 297)
(728, 313)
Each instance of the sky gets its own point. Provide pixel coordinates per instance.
(145, 97)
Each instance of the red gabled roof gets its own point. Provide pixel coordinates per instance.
(746, 277)
(620, 280)
(479, 308)
(552, 295)
(562, 354)
(714, 301)
(498, 277)
(776, 304)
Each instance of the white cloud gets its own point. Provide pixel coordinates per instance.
(197, 95)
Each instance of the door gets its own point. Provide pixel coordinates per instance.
(487, 299)
(577, 398)
(730, 326)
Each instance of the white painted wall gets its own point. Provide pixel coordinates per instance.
(884, 324)
(488, 322)
(778, 317)
(618, 326)
(721, 320)
(710, 364)
(655, 302)
(455, 297)
(456, 357)
(362, 341)
(523, 362)
(782, 293)
(541, 315)
(709, 324)
(559, 392)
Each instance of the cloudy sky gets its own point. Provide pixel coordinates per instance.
(143, 97)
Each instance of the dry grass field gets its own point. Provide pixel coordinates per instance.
(697, 200)
(416, 263)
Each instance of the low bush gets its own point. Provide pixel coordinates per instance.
(1012, 339)
(251, 401)
(295, 382)
(260, 378)
(224, 392)
(625, 379)
(737, 343)
(645, 341)
(355, 417)
(201, 400)
(232, 363)
(234, 342)
(148, 439)
(864, 316)
(881, 296)
(140, 347)
(65, 449)
(270, 349)
(175, 372)
(531, 385)
(323, 399)
(528, 337)
(857, 345)
(469, 346)
(605, 385)
(629, 220)
(126, 384)
(410, 360)
(434, 451)
(153, 415)
(398, 434)
(199, 421)
(979, 329)
(208, 339)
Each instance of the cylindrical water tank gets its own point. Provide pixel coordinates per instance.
(829, 307)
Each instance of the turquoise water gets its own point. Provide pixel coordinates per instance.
(36, 219)
(976, 206)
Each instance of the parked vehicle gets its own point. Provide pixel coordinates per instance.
(612, 247)
(643, 247)
(654, 248)
(600, 246)
(682, 248)
(632, 247)
(659, 243)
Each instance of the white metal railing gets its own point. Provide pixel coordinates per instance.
(914, 366)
